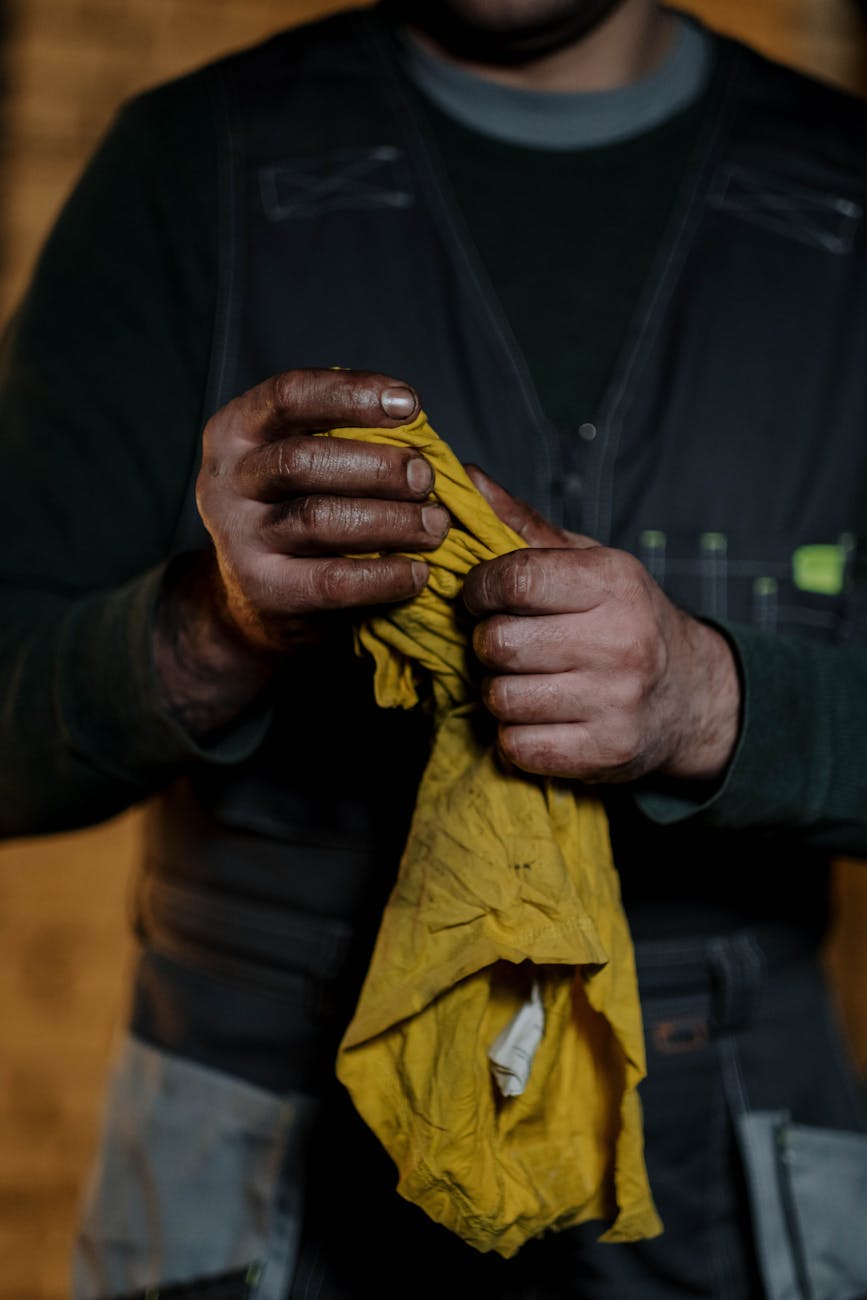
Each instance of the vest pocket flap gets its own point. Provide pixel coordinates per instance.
(808, 1198)
(797, 210)
(340, 180)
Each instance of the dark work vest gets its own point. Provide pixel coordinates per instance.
(727, 455)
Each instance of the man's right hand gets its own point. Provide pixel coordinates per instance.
(283, 510)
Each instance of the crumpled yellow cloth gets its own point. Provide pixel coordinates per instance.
(505, 878)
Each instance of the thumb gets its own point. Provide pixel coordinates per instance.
(534, 528)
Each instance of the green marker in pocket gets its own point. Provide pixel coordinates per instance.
(821, 567)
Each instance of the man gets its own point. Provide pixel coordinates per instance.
(622, 264)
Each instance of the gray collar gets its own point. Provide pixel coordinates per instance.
(567, 120)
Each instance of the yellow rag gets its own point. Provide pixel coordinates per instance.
(506, 881)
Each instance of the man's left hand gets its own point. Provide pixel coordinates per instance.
(594, 673)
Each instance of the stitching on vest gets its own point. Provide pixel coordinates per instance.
(341, 180)
(816, 217)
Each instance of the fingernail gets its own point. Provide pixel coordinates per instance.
(397, 402)
(419, 474)
(435, 520)
(419, 573)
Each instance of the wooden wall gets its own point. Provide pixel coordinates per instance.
(73, 61)
(63, 945)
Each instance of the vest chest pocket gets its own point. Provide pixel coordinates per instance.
(812, 216)
(799, 590)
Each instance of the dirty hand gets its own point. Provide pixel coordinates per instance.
(283, 509)
(594, 673)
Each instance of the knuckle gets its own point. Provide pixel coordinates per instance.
(204, 491)
(286, 390)
(390, 578)
(532, 750)
(626, 576)
(383, 469)
(473, 590)
(266, 596)
(359, 393)
(303, 591)
(378, 466)
(210, 435)
(511, 746)
(562, 638)
(325, 462)
(214, 481)
(631, 693)
(622, 747)
(283, 460)
(621, 564)
(219, 426)
(489, 640)
(250, 582)
(643, 653)
(481, 637)
(522, 578)
(334, 582)
(371, 469)
(312, 514)
(213, 467)
(228, 530)
(235, 539)
(262, 470)
(248, 571)
(499, 696)
(393, 519)
(605, 565)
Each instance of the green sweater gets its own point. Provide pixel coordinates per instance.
(101, 392)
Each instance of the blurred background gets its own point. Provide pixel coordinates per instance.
(66, 64)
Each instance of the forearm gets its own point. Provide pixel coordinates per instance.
(86, 731)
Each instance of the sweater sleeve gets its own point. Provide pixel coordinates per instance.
(801, 759)
(102, 376)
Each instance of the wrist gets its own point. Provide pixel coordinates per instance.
(209, 673)
(711, 709)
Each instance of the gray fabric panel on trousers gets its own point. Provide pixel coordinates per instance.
(828, 1179)
(198, 1173)
(808, 1191)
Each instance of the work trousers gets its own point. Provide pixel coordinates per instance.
(203, 1177)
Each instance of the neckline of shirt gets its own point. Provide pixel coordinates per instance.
(560, 120)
